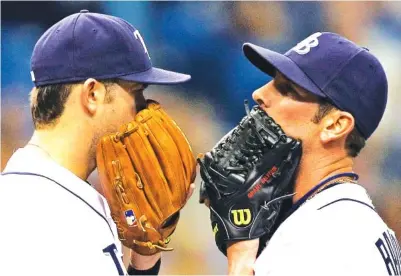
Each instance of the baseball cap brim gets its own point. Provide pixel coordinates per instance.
(157, 76)
(269, 61)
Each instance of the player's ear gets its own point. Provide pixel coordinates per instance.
(336, 125)
(92, 95)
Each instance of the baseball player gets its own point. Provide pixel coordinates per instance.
(90, 71)
(329, 94)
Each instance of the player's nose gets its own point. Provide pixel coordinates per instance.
(260, 97)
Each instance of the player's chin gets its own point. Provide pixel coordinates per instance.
(291, 131)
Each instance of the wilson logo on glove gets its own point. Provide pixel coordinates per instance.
(241, 217)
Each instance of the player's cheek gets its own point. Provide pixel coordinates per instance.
(125, 112)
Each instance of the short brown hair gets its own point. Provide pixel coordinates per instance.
(355, 141)
(48, 102)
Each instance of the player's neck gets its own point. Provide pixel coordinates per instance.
(312, 172)
(66, 148)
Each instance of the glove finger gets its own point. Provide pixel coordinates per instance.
(147, 166)
(151, 163)
(168, 155)
(179, 139)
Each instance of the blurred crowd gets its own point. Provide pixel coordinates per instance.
(205, 40)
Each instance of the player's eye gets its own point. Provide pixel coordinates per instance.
(282, 88)
(285, 89)
(291, 91)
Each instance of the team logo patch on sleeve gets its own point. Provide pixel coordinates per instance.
(130, 217)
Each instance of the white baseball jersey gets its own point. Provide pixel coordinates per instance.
(52, 222)
(337, 232)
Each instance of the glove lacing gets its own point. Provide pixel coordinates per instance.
(143, 225)
(246, 157)
(260, 137)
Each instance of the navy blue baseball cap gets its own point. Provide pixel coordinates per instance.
(92, 45)
(334, 68)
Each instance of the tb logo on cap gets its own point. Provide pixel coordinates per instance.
(138, 36)
(305, 45)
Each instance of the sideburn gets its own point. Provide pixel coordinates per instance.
(110, 95)
(324, 109)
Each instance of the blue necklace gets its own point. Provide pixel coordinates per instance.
(303, 199)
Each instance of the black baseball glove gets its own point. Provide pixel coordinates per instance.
(247, 176)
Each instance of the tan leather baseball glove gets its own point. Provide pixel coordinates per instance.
(145, 171)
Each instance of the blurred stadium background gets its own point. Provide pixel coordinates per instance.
(204, 39)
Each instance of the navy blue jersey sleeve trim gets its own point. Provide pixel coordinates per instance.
(347, 199)
(48, 178)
